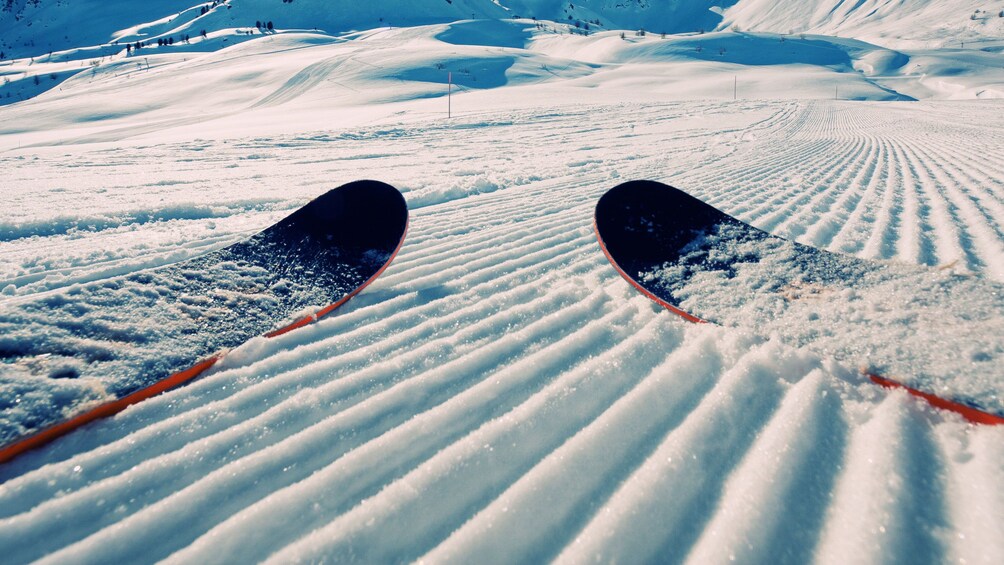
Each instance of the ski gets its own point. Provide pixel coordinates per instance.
(929, 328)
(138, 335)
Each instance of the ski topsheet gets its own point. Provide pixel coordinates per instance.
(927, 328)
(115, 342)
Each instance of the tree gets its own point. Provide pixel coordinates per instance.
(270, 25)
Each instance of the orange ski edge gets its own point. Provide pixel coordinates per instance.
(104, 410)
(972, 415)
(112, 407)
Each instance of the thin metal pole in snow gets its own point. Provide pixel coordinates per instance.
(449, 95)
(735, 87)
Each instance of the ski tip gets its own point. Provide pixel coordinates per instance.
(971, 414)
(360, 216)
(363, 214)
(648, 222)
(624, 246)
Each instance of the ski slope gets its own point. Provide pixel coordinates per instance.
(501, 394)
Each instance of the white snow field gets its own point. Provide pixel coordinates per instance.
(500, 393)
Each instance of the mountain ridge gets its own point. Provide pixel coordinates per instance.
(34, 28)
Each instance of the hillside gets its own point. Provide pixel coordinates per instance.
(657, 16)
(890, 23)
(34, 28)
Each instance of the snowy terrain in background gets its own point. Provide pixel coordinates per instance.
(500, 393)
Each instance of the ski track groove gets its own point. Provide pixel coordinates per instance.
(873, 207)
(395, 445)
(949, 239)
(980, 239)
(856, 206)
(500, 394)
(421, 322)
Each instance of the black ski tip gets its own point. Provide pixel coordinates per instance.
(643, 226)
(646, 222)
(359, 216)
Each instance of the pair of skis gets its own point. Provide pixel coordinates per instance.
(687, 256)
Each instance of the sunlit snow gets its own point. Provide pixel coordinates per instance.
(500, 393)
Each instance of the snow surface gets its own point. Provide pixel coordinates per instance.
(501, 393)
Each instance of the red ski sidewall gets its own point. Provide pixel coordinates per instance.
(971, 414)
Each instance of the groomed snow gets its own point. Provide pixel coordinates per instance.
(501, 393)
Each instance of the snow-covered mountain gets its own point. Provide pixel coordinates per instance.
(45, 42)
(891, 23)
(37, 27)
(33, 28)
(657, 16)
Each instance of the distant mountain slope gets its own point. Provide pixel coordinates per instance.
(32, 28)
(669, 16)
(891, 23)
(35, 27)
